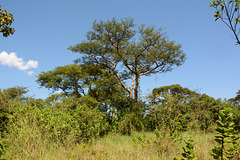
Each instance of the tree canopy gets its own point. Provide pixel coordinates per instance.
(178, 92)
(129, 51)
(6, 20)
(86, 81)
(15, 93)
(175, 89)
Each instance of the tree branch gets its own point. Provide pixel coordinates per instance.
(125, 63)
(132, 85)
(114, 64)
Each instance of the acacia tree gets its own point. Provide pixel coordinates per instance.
(6, 20)
(130, 52)
(228, 11)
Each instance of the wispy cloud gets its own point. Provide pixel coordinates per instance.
(30, 73)
(12, 60)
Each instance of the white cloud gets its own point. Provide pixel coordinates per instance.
(12, 60)
(30, 73)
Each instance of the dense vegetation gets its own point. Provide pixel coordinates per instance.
(95, 115)
(31, 128)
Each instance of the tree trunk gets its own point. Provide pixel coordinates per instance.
(76, 88)
(130, 95)
(136, 88)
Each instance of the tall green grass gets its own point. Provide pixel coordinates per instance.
(27, 143)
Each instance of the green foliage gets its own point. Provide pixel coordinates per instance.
(236, 100)
(170, 113)
(206, 122)
(91, 84)
(3, 112)
(174, 100)
(206, 110)
(6, 20)
(130, 122)
(7, 97)
(236, 117)
(132, 119)
(225, 135)
(15, 93)
(112, 43)
(66, 78)
(228, 11)
(175, 90)
(178, 109)
(56, 124)
(2, 150)
(141, 139)
(189, 153)
(236, 109)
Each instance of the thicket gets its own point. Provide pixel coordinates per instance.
(169, 112)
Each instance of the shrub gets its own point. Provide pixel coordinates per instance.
(188, 151)
(225, 135)
(80, 124)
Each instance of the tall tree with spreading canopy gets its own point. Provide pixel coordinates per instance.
(6, 20)
(130, 52)
(228, 11)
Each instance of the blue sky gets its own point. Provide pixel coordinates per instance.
(46, 28)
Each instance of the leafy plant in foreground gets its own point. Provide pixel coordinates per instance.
(189, 152)
(225, 135)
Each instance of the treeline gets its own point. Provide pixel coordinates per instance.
(171, 108)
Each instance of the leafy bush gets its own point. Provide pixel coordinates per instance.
(170, 113)
(80, 124)
(131, 122)
(132, 119)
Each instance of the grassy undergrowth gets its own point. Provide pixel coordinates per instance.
(140, 145)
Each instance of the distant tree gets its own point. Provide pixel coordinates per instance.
(169, 107)
(15, 93)
(176, 90)
(184, 105)
(228, 11)
(116, 45)
(236, 100)
(6, 20)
